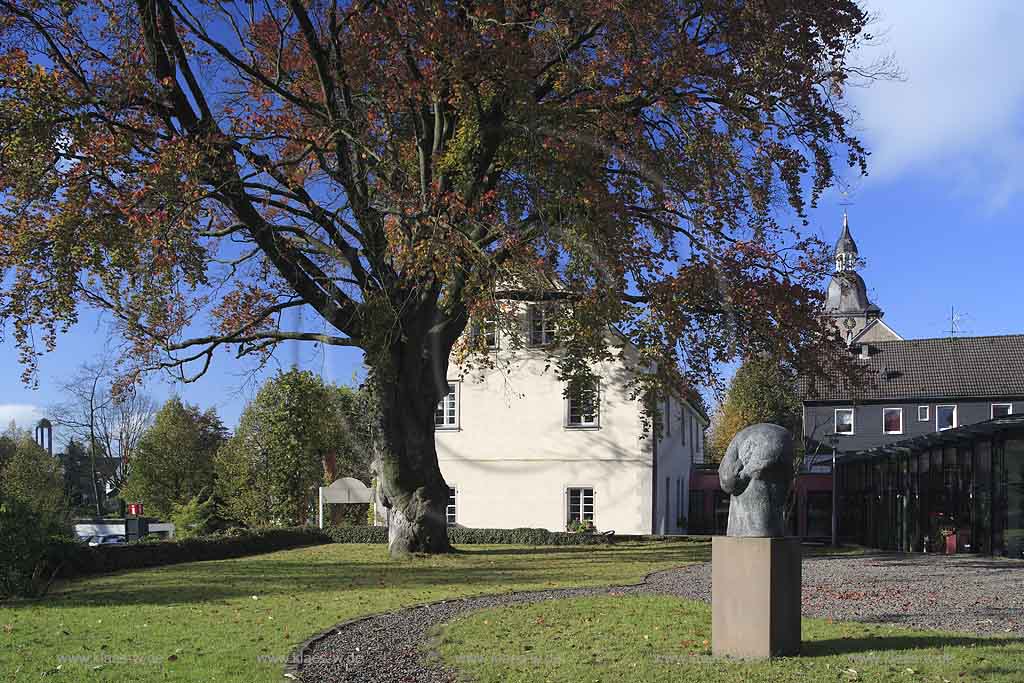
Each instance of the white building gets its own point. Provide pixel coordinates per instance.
(518, 454)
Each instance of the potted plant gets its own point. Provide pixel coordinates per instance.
(581, 526)
(948, 534)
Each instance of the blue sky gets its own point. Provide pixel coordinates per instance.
(937, 220)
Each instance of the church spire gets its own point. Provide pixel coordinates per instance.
(845, 252)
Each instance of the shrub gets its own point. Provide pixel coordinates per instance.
(464, 536)
(32, 550)
(194, 518)
(524, 536)
(357, 534)
(146, 553)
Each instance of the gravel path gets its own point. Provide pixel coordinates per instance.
(960, 593)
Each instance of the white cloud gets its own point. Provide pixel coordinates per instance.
(25, 415)
(957, 116)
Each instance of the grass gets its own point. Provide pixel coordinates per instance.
(236, 620)
(659, 638)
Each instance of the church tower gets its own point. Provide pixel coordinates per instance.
(858, 320)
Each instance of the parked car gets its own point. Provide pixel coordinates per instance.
(110, 539)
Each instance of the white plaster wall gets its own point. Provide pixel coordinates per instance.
(512, 456)
(675, 458)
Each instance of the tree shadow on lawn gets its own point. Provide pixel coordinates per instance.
(269, 575)
(881, 645)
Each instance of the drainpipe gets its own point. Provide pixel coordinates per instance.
(834, 441)
(654, 483)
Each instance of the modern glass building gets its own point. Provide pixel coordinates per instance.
(957, 490)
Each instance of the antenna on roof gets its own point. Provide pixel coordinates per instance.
(955, 322)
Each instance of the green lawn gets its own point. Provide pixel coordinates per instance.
(658, 638)
(235, 620)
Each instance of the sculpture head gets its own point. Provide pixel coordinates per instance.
(756, 471)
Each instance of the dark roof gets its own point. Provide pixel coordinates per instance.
(1007, 423)
(845, 244)
(944, 368)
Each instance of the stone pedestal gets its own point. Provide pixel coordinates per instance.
(755, 597)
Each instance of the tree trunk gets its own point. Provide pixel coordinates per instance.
(410, 475)
(410, 383)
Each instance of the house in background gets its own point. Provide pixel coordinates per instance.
(926, 448)
(928, 445)
(918, 387)
(517, 453)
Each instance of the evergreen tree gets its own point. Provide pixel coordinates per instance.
(298, 434)
(174, 460)
(762, 390)
(33, 478)
(77, 474)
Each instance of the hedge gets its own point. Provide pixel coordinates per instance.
(357, 534)
(80, 560)
(465, 536)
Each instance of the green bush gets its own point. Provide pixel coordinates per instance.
(524, 536)
(357, 534)
(32, 550)
(463, 536)
(194, 518)
(154, 553)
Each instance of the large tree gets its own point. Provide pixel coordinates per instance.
(762, 390)
(269, 471)
(392, 169)
(33, 477)
(174, 459)
(108, 419)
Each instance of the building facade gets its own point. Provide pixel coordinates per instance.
(915, 388)
(516, 452)
(929, 452)
(954, 491)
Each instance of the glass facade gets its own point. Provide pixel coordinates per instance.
(963, 494)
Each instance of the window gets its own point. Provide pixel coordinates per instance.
(542, 325)
(945, 417)
(447, 414)
(844, 420)
(583, 406)
(491, 334)
(1001, 409)
(668, 417)
(680, 511)
(693, 426)
(892, 420)
(486, 334)
(450, 512)
(581, 505)
(668, 505)
(922, 414)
